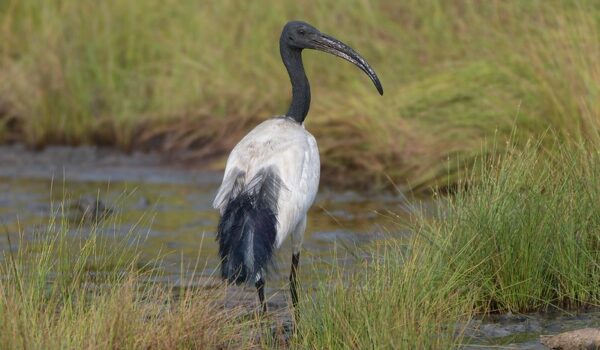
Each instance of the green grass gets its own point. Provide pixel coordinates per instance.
(70, 288)
(532, 227)
(184, 75)
(406, 298)
(523, 238)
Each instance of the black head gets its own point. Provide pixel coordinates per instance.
(297, 35)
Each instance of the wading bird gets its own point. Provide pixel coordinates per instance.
(272, 174)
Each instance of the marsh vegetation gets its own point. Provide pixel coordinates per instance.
(193, 77)
(524, 237)
(492, 108)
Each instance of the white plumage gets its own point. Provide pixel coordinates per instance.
(285, 145)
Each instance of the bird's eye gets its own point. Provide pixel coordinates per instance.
(301, 31)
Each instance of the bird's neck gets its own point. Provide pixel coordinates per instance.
(292, 58)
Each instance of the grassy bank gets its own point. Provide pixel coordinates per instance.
(191, 76)
(524, 238)
(69, 288)
(407, 298)
(87, 287)
(532, 228)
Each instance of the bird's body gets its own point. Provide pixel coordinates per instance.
(272, 175)
(284, 147)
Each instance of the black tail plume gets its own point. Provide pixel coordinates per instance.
(248, 228)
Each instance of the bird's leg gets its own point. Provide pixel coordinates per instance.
(260, 288)
(297, 236)
(293, 284)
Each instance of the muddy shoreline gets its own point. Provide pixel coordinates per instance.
(91, 163)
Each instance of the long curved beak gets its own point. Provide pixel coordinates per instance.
(335, 47)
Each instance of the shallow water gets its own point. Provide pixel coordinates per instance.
(175, 204)
(523, 331)
(179, 224)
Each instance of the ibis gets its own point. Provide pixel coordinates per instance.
(272, 174)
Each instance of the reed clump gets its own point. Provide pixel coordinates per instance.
(532, 228)
(520, 234)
